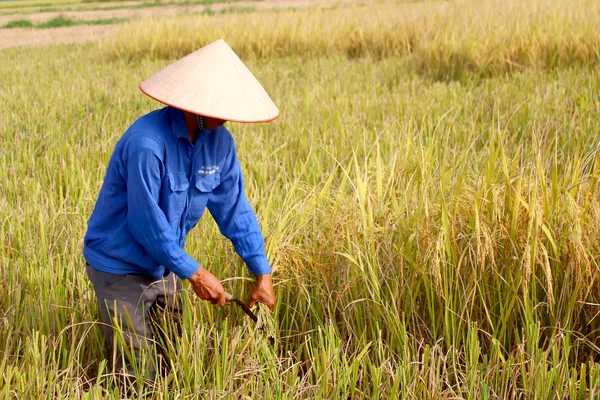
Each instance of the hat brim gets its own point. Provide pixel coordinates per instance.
(208, 115)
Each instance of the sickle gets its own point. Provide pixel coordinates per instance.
(242, 305)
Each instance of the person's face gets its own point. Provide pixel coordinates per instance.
(213, 123)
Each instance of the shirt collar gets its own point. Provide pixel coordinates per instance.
(178, 124)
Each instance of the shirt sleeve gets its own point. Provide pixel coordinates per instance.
(145, 220)
(236, 219)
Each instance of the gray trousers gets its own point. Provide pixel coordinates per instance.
(141, 317)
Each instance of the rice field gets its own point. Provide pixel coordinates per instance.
(429, 198)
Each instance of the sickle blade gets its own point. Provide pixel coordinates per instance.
(245, 308)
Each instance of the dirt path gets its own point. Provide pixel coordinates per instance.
(84, 33)
(43, 37)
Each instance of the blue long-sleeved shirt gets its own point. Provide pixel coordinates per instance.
(156, 188)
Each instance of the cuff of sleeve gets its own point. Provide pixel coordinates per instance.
(258, 265)
(188, 269)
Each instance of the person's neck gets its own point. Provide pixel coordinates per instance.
(191, 125)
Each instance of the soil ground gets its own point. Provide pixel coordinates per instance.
(83, 33)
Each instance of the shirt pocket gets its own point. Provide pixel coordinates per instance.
(178, 186)
(205, 184)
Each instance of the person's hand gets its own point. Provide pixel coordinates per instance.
(208, 287)
(263, 292)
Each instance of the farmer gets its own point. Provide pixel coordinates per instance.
(167, 168)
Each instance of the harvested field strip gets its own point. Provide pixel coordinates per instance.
(126, 13)
(27, 37)
(62, 21)
(28, 6)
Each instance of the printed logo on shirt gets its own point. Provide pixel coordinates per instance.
(208, 170)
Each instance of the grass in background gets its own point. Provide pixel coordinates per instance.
(34, 3)
(62, 21)
(19, 23)
(431, 238)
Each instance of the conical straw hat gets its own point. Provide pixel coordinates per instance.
(213, 82)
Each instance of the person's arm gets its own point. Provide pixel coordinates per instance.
(148, 224)
(237, 222)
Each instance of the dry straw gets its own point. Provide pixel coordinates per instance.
(442, 40)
